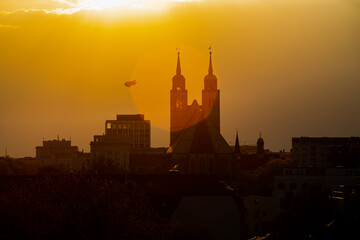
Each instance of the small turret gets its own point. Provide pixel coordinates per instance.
(260, 145)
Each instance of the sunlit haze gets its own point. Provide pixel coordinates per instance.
(284, 68)
(74, 6)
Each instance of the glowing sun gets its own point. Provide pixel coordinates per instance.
(99, 5)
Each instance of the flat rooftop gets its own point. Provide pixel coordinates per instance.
(130, 117)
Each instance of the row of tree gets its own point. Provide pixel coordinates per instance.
(83, 207)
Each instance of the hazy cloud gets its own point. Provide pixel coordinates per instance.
(52, 11)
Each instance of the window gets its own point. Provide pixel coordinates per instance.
(293, 186)
(108, 125)
(179, 104)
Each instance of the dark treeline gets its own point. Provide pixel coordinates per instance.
(261, 181)
(104, 203)
(82, 207)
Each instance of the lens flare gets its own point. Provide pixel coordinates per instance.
(153, 74)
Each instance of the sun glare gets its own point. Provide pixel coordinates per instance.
(99, 5)
(69, 7)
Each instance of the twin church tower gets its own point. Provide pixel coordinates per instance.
(183, 115)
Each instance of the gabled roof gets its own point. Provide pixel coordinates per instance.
(201, 137)
(201, 142)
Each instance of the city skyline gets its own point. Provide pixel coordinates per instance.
(285, 68)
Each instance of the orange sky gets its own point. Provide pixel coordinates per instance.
(285, 68)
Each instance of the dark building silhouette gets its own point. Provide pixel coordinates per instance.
(149, 161)
(260, 214)
(122, 136)
(326, 151)
(183, 115)
(253, 156)
(296, 180)
(200, 202)
(260, 146)
(196, 144)
(60, 153)
(134, 127)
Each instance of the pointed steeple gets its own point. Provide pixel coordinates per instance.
(178, 79)
(210, 80)
(178, 67)
(210, 64)
(237, 145)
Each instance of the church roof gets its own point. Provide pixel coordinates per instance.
(195, 103)
(201, 137)
(201, 142)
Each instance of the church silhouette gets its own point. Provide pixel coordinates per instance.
(196, 144)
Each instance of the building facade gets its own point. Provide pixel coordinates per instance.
(60, 153)
(260, 214)
(326, 151)
(126, 134)
(112, 150)
(133, 127)
(295, 180)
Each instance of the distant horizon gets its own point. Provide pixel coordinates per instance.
(230, 144)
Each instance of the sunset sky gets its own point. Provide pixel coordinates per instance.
(287, 68)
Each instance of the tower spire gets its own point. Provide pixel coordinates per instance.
(178, 67)
(210, 63)
(237, 145)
